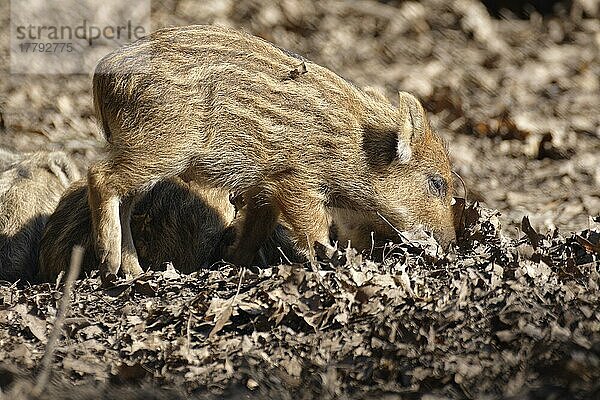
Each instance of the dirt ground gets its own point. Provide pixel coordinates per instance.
(512, 313)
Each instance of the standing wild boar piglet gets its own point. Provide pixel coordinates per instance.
(232, 111)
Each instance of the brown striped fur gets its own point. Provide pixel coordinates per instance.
(232, 111)
(177, 222)
(30, 187)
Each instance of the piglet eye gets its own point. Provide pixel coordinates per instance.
(438, 186)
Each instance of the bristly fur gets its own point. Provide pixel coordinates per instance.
(233, 111)
(175, 222)
(30, 188)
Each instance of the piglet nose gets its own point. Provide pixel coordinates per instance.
(445, 237)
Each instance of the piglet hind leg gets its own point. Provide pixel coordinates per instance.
(130, 265)
(106, 226)
(110, 183)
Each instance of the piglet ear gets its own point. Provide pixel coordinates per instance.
(413, 125)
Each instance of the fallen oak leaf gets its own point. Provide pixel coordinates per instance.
(221, 321)
(534, 237)
(228, 310)
(588, 246)
(36, 326)
(458, 213)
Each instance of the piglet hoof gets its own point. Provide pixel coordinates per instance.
(130, 267)
(234, 256)
(239, 259)
(329, 254)
(108, 273)
(107, 279)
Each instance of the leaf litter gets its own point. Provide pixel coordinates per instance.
(494, 317)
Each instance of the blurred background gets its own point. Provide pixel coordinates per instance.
(512, 85)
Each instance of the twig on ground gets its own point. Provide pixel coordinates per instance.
(44, 375)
